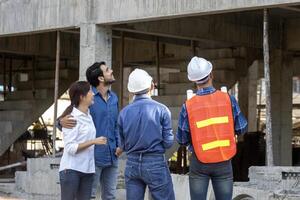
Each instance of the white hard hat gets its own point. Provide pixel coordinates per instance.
(198, 68)
(138, 81)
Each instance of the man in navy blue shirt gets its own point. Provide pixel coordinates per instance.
(104, 112)
(146, 132)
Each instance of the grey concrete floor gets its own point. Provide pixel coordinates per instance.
(3, 196)
(9, 197)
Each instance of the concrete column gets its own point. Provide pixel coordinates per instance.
(253, 77)
(95, 45)
(281, 108)
(243, 88)
(116, 52)
(243, 95)
(126, 95)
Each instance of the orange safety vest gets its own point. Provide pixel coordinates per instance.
(212, 127)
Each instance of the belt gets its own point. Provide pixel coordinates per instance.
(146, 154)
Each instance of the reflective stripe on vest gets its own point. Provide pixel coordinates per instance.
(215, 144)
(212, 121)
(212, 127)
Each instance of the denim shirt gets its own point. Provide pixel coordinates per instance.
(105, 115)
(145, 126)
(183, 133)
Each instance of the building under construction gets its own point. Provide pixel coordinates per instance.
(45, 45)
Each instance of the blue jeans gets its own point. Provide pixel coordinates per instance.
(148, 170)
(221, 177)
(107, 177)
(75, 185)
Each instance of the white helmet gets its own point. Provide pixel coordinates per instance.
(198, 68)
(138, 81)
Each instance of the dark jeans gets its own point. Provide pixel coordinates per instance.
(221, 177)
(75, 185)
(148, 170)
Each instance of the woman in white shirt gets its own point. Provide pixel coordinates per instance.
(77, 164)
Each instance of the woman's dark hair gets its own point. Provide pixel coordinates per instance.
(93, 72)
(77, 89)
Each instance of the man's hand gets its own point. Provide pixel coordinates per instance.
(119, 151)
(67, 122)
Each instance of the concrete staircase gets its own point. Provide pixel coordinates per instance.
(25, 105)
(174, 84)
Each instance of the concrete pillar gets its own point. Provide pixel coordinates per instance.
(243, 87)
(243, 95)
(281, 108)
(95, 45)
(253, 77)
(127, 97)
(116, 62)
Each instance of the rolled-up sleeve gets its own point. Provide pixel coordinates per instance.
(167, 132)
(117, 134)
(240, 122)
(69, 138)
(183, 136)
(120, 132)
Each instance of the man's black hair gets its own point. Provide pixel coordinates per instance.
(93, 72)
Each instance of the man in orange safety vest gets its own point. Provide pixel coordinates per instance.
(207, 124)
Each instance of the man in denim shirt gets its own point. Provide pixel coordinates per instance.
(145, 133)
(104, 112)
(209, 129)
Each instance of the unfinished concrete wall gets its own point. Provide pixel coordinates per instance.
(41, 180)
(173, 64)
(269, 183)
(33, 57)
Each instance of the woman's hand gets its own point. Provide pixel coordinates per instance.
(100, 140)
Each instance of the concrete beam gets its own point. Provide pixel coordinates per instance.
(40, 45)
(19, 17)
(121, 11)
(291, 8)
(169, 37)
(209, 32)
